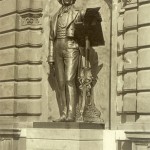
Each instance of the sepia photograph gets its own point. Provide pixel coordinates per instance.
(74, 74)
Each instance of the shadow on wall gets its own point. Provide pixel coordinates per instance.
(94, 63)
(53, 84)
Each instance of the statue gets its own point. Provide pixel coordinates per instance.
(67, 32)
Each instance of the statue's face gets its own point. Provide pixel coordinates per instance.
(67, 2)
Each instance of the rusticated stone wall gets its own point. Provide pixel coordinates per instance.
(133, 46)
(20, 60)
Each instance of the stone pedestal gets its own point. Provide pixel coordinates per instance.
(64, 136)
(53, 136)
(68, 125)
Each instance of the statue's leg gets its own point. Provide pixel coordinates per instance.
(60, 76)
(71, 64)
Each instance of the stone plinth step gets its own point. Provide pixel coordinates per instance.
(69, 125)
(64, 136)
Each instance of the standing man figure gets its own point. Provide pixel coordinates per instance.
(64, 55)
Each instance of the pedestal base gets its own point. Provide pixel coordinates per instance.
(65, 136)
(69, 125)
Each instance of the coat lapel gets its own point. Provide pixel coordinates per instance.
(72, 15)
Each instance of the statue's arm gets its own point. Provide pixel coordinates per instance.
(51, 50)
(80, 17)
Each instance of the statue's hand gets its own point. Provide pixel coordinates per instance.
(52, 68)
(51, 64)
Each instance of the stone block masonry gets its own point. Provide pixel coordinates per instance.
(134, 57)
(20, 59)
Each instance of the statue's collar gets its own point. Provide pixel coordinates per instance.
(65, 9)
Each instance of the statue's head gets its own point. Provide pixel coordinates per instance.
(66, 2)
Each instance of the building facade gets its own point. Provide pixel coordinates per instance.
(28, 89)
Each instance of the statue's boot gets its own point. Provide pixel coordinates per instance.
(61, 119)
(70, 117)
(63, 116)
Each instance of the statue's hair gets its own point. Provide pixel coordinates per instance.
(60, 1)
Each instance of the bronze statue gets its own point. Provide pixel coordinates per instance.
(64, 54)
